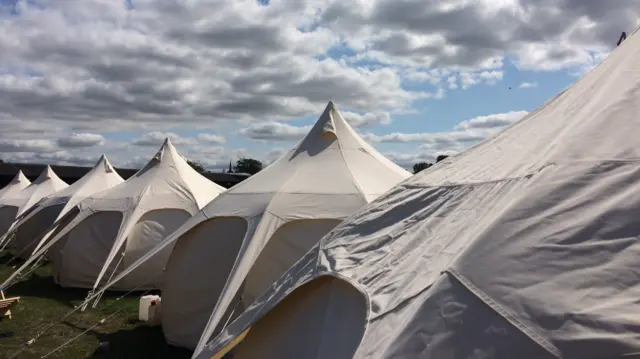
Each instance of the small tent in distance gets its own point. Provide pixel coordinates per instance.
(109, 230)
(256, 230)
(15, 204)
(17, 184)
(525, 246)
(29, 229)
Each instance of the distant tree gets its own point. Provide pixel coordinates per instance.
(421, 166)
(441, 157)
(247, 165)
(1, 161)
(196, 166)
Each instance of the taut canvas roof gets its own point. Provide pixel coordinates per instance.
(125, 221)
(51, 208)
(524, 246)
(256, 230)
(16, 203)
(17, 184)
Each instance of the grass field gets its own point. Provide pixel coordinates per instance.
(43, 303)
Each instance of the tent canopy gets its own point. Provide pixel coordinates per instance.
(525, 245)
(52, 207)
(253, 232)
(155, 200)
(15, 204)
(17, 184)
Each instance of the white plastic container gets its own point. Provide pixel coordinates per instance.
(149, 310)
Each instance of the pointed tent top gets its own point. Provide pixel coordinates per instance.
(47, 173)
(327, 121)
(20, 178)
(104, 162)
(166, 144)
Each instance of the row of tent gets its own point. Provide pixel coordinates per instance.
(524, 246)
(169, 227)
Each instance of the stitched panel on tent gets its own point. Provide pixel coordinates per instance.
(324, 318)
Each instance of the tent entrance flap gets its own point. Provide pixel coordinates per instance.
(287, 245)
(27, 232)
(80, 256)
(325, 318)
(7, 217)
(149, 231)
(204, 255)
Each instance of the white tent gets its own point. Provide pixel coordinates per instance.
(255, 231)
(17, 184)
(525, 246)
(16, 203)
(114, 227)
(33, 223)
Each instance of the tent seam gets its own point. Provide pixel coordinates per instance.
(505, 313)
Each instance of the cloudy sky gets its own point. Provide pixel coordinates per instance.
(229, 78)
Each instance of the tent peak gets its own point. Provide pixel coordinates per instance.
(327, 120)
(20, 177)
(103, 161)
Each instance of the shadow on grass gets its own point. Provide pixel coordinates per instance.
(43, 286)
(7, 257)
(142, 342)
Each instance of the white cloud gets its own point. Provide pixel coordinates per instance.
(497, 120)
(367, 119)
(26, 145)
(527, 85)
(274, 131)
(465, 134)
(76, 66)
(156, 138)
(211, 138)
(76, 140)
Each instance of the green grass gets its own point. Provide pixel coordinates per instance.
(43, 303)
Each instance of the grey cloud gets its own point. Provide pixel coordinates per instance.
(156, 139)
(38, 146)
(471, 33)
(274, 131)
(367, 119)
(76, 140)
(211, 138)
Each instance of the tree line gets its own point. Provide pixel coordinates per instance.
(421, 166)
(242, 165)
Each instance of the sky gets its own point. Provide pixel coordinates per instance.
(233, 78)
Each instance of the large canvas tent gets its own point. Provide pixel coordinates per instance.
(525, 246)
(256, 230)
(17, 184)
(13, 205)
(28, 230)
(109, 230)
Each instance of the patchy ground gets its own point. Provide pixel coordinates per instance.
(43, 304)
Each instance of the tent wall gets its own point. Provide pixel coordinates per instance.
(149, 231)
(285, 247)
(447, 321)
(79, 256)
(7, 216)
(325, 318)
(27, 234)
(196, 274)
